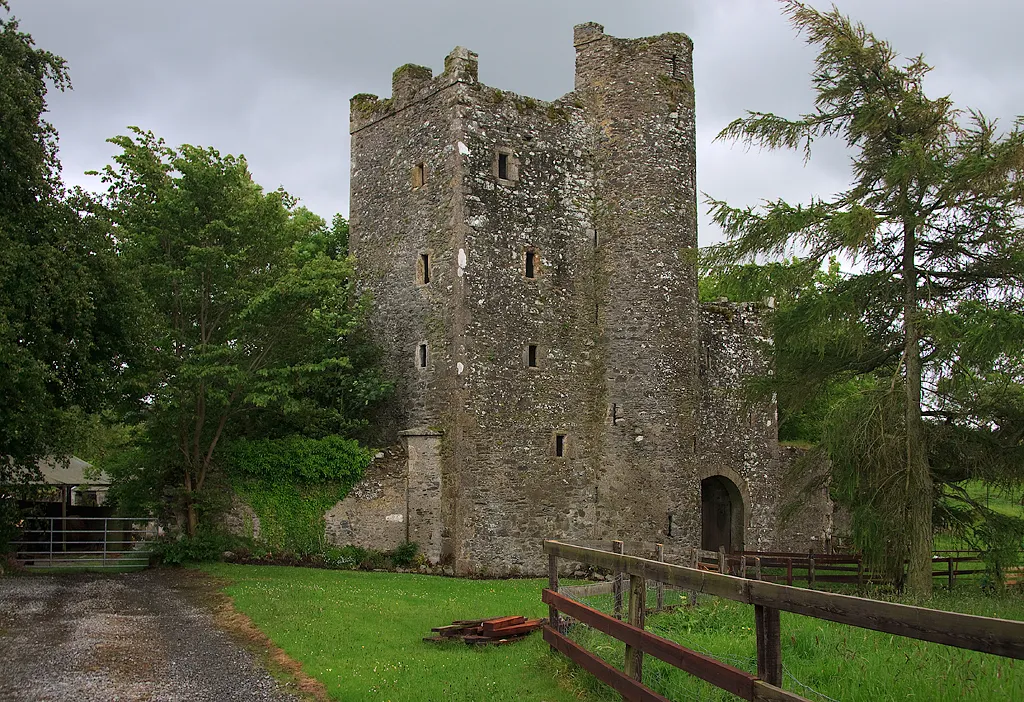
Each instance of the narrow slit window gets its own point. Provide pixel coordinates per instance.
(503, 166)
(615, 413)
(670, 525)
(531, 355)
(422, 356)
(560, 445)
(424, 268)
(419, 175)
(531, 262)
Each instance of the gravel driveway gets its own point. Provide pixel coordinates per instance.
(134, 636)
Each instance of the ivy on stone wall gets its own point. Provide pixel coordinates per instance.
(291, 482)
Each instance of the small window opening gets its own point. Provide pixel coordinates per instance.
(615, 413)
(425, 268)
(675, 66)
(419, 175)
(531, 258)
(670, 525)
(423, 356)
(531, 355)
(503, 166)
(560, 445)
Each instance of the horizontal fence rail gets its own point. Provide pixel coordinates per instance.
(986, 634)
(738, 682)
(85, 542)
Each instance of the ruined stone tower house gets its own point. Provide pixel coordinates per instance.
(533, 268)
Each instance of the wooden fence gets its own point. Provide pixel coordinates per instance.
(815, 568)
(997, 636)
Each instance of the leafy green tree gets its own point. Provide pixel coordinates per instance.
(931, 227)
(254, 323)
(66, 308)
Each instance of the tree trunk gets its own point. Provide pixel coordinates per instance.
(919, 478)
(192, 518)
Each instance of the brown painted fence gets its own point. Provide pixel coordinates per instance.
(996, 636)
(849, 568)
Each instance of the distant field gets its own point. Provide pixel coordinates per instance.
(360, 634)
(997, 499)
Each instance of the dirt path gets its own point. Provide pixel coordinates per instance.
(133, 636)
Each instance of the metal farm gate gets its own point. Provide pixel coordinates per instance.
(85, 543)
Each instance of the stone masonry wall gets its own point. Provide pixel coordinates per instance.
(637, 96)
(373, 514)
(514, 489)
(738, 437)
(406, 203)
(807, 521)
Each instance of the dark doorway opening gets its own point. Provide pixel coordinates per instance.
(721, 514)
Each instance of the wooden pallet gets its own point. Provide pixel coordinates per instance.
(494, 631)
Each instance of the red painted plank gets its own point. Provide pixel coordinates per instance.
(524, 628)
(501, 622)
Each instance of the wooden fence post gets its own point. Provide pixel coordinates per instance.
(743, 566)
(860, 570)
(757, 567)
(810, 570)
(693, 564)
(659, 555)
(617, 582)
(789, 570)
(722, 565)
(553, 586)
(637, 617)
(952, 573)
(768, 632)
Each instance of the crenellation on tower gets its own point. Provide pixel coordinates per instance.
(408, 80)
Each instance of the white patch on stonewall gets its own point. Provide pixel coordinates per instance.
(462, 263)
(395, 518)
(463, 149)
(459, 367)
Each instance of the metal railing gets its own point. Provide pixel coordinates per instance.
(85, 542)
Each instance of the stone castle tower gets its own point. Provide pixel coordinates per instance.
(533, 267)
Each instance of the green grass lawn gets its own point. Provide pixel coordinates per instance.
(361, 635)
(842, 662)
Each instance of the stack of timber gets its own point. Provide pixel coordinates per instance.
(499, 630)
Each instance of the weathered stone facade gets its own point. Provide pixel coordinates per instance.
(533, 266)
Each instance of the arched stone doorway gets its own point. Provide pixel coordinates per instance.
(721, 514)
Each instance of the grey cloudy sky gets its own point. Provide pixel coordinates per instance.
(272, 80)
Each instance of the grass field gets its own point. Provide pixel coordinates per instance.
(360, 634)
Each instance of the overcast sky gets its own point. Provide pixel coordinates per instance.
(272, 80)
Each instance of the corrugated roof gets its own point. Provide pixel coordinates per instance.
(74, 471)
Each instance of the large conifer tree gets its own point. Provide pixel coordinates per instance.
(929, 317)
